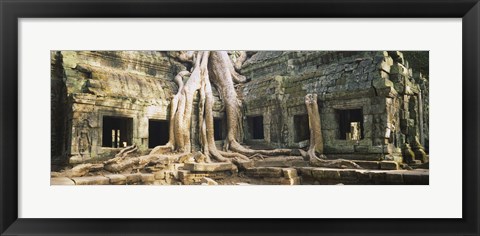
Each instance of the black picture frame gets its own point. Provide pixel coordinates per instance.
(11, 11)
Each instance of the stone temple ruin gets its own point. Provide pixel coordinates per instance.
(374, 111)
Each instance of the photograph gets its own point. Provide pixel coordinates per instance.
(268, 117)
(239, 117)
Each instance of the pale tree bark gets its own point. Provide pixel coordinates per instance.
(316, 139)
(222, 74)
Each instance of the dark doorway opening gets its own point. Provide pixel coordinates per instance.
(302, 127)
(255, 124)
(219, 131)
(158, 133)
(117, 131)
(350, 124)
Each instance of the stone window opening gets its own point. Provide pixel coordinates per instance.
(117, 131)
(350, 124)
(302, 127)
(255, 127)
(158, 132)
(219, 129)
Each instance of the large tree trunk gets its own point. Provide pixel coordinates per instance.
(316, 139)
(222, 75)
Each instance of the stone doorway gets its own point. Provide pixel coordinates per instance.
(158, 133)
(255, 127)
(302, 129)
(350, 124)
(117, 131)
(219, 129)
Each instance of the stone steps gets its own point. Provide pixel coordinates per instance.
(316, 175)
(196, 173)
(296, 161)
(112, 179)
(283, 161)
(273, 175)
(286, 170)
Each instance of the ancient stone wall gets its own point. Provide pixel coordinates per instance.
(354, 83)
(59, 110)
(371, 103)
(128, 88)
(132, 85)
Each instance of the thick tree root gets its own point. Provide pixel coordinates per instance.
(316, 140)
(140, 162)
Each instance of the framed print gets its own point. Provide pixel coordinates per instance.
(259, 118)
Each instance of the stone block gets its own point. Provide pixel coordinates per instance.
(189, 178)
(281, 162)
(416, 177)
(117, 179)
(322, 173)
(317, 173)
(91, 180)
(148, 178)
(61, 181)
(363, 176)
(159, 175)
(348, 174)
(361, 148)
(332, 174)
(371, 165)
(243, 165)
(209, 167)
(394, 178)
(265, 172)
(134, 178)
(281, 181)
(289, 172)
(389, 165)
(378, 177)
(208, 181)
(412, 178)
(160, 182)
(305, 171)
(182, 174)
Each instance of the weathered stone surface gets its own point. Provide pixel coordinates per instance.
(372, 165)
(117, 179)
(348, 174)
(61, 181)
(378, 177)
(281, 181)
(289, 172)
(187, 177)
(413, 178)
(148, 178)
(243, 165)
(159, 175)
(346, 80)
(208, 181)
(265, 172)
(209, 167)
(134, 178)
(323, 173)
(305, 171)
(290, 161)
(389, 165)
(91, 180)
(320, 175)
(394, 178)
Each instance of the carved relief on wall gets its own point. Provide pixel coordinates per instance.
(84, 139)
